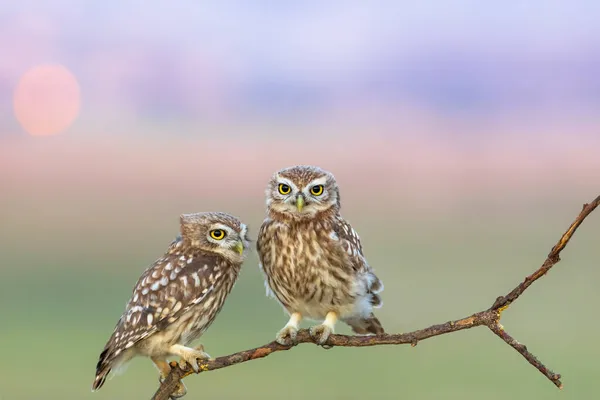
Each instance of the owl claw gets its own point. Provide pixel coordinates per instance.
(287, 336)
(320, 333)
(179, 392)
(190, 357)
(192, 360)
(200, 348)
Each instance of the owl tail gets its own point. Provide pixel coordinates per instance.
(102, 370)
(365, 326)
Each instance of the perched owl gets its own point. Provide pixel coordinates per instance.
(179, 296)
(312, 259)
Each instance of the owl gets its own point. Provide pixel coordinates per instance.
(178, 296)
(312, 259)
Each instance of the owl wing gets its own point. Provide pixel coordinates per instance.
(164, 292)
(260, 244)
(350, 242)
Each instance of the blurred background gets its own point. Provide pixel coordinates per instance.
(465, 136)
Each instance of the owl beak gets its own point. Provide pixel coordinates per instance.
(300, 203)
(239, 247)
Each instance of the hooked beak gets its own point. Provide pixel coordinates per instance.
(300, 203)
(239, 247)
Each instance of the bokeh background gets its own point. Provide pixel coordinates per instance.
(465, 136)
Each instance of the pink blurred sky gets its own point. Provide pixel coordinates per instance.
(401, 100)
(408, 168)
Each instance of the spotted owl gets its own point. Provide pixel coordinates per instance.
(312, 259)
(178, 296)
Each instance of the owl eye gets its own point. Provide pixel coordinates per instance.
(217, 234)
(316, 190)
(284, 189)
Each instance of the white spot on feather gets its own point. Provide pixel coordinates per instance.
(149, 318)
(164, 281)
(208, 301)
(200, 298)
(169, 266)
(196, 279)
(155, 285)
(177, 307)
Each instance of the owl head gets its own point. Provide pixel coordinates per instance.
(302, 192)
(216, 232)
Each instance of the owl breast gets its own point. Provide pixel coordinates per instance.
(308, 270)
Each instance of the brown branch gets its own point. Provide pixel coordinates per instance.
(489, 318)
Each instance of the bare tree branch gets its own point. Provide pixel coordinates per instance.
(489, 318)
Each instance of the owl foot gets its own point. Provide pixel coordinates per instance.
(287, 336)
(164, 368)
(179, 392)
(189, 356)
(320, 333)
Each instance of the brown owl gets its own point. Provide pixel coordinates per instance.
(312, 259)
(179, 296)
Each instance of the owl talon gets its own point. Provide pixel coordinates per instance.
(320, 333)
(179, 392)
(287, 336)
(205, 356)
(192, 360)
(189, 356)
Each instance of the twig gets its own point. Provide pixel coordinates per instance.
(489, 318)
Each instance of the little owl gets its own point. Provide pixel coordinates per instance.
(312, 259)
(179, 296)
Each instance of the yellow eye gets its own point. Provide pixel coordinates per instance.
(316, 190)
(284, 189)
(217, 234)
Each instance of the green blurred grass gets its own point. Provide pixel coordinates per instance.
(66, 277)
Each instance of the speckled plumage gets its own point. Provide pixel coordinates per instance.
(178, 297)
(311, 257)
